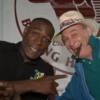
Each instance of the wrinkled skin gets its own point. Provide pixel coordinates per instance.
(75, 38)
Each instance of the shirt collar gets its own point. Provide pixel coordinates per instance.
(93, 41)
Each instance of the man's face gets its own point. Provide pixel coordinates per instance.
(75, 39)
(36, 40)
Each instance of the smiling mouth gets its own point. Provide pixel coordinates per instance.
(78, 51)
(34, 49)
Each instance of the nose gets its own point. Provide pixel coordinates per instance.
(39, 41)
(71, 42)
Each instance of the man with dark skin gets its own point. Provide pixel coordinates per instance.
(22, 71)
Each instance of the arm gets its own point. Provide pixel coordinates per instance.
(19, 87)
(45, 85)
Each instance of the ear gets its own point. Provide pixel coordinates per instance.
(25, 31)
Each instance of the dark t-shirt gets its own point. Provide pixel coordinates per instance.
(12, 67)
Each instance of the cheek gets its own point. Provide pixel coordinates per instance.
(67, 46)
(77, 40)
(44, 47)
(27, 39)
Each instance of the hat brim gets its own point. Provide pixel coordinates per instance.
(90, 22)
(67, 26)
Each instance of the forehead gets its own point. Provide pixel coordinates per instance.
(72, 29)
(38, 25)
(40, 28)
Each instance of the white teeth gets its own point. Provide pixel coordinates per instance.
(77, 44)
(33, 49)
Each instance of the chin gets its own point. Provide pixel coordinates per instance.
(30, 56)
(34, 57)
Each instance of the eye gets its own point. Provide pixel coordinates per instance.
(46, 40)
(74, 35)
(34, 33)
(65, 40)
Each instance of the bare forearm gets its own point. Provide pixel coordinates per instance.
(45, 85)
(20, 87)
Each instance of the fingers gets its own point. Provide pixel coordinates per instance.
(53, 88)
(5, 90)
(55, 77)
(2, 86)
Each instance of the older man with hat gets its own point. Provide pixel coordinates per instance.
(78, 37)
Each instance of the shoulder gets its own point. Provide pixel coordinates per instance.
(94, 40)
(7, 46)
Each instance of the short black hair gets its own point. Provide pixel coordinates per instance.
(45, 22)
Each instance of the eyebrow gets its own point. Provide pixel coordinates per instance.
(73, 30)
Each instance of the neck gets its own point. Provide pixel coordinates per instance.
(23, 54)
